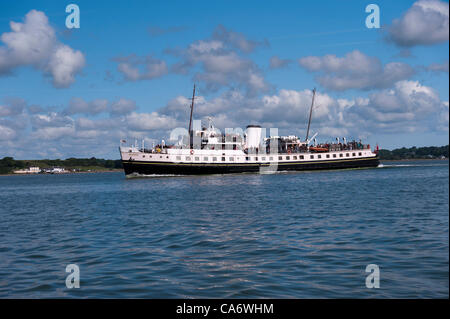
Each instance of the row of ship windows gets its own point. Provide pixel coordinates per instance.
(263, 158)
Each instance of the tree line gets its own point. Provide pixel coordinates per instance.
(9, 164)
(414, 153)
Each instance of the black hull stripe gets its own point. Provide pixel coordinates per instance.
(131, 167)
(251, 164)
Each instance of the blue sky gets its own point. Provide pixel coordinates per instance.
(128, 68)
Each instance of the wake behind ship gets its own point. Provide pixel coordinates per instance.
(208, 151)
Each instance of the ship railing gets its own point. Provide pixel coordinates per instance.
(155, 150)
(330, 147)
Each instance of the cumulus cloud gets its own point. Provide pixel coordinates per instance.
(438, 67)
(78, 105)
(355, 71)
(277, 63)
(12, 106)
(51, 119)
(225, 69)
(52, 133)
(236, 40)
(425, 23)
(220, 61)
(7, 133)
(134, 68)
(287, 110)
(293, 106)
(64, 64)
(216, 62)
(443, 117)
(408, 106)
(102, 124)
(50, 126)
(123, 106)
(34, 43)
(150, 121)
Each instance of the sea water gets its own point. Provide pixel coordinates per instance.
(284, 235)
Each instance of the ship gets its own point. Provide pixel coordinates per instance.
(208, 151)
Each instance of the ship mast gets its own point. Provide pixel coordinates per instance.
(191, 135)
(310, 114)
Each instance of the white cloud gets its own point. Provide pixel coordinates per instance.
(78, 105)
(236, 40)
(13, 106)
(288, 109)
(205, 46)
(407, 107)
(226, 69)
(439, 67)
(276, 63)
(52, 133)
(52, 119)
(293, 106)
(122, 106)
(220, 61)
(355, 71)
(64, 64)
(443, 117)
(135, 68)
(34, 43)
(7, 133)
(102, 124)
(425, 23)
(150, 121)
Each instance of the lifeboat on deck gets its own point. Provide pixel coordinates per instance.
(318, 149)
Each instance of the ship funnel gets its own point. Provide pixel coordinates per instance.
(253, 139)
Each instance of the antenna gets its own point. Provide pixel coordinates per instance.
(308, 141)
(210, 122)
(192, 109)
(190, 119)
(310, 114)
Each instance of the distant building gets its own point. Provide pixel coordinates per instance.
(30, 170)
(55, 170)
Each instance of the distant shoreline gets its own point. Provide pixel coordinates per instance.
(118, 170)
(414, 159)
(99, 165)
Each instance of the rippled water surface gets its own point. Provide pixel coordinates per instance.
(287, 235)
